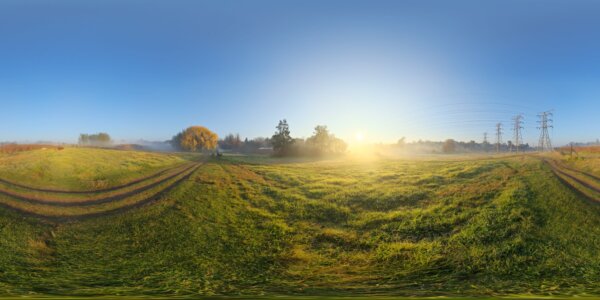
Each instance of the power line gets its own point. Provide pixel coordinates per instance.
(545, 121)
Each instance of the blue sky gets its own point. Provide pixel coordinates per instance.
(419, 69)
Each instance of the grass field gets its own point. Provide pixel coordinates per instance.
(80, 168)
(190, 225)
(586, 159)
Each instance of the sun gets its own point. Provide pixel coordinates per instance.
(359, 136)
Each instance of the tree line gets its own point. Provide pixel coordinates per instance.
(281, 143)
(101, 139)
(449, 146)
(322, 142)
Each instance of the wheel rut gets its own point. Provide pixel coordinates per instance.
(563, 176)
(95, 191)
(89, 202)
(57, 216)
(588, 174)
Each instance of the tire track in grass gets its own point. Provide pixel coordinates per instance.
(561, 176)
(558, 168)
(137, 204)
(590, 175)
(579, 181)
(576, 190)
(32, 200)
(109, 189)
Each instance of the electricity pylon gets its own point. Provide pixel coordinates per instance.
(498, 136)
(485, 142)
(518, 125)
(545, 121)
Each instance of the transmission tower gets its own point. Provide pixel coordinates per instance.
(518, 125)
(545, 121)
(485, 142)
(498, 136)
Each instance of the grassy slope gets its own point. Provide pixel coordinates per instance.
(586, 159)
(200, 243)
(387, 227)
(80, 168)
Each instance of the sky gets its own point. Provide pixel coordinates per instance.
(427, 70)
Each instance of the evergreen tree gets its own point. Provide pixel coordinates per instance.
(282, 140)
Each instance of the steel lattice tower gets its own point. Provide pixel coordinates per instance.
(485, 142)
(518, 125)
(498, 136)
(545, 121)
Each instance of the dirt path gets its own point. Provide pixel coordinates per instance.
(89, 202)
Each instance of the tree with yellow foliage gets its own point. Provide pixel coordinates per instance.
(195, 138)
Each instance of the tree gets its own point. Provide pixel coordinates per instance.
(337, 146)
(282, 140)
(103, 138)
(231, 141)
(401, 142)
(195, 138)
(449, 146)
(326, 143)
(98, 139)
(320, 139)
(84, 139)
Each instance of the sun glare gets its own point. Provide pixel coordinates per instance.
(359, 136)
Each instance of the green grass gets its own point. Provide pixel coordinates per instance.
(61, 211)
(81, 168)
(587, 161)
(247, 226)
